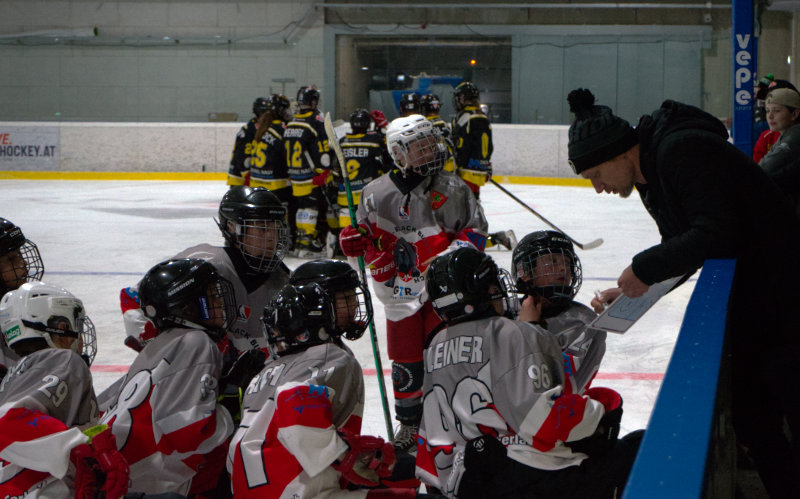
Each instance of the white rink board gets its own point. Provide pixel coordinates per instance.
(97, 237)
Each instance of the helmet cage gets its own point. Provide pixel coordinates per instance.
(20, 265)
(550, 259)
(279, 104)
(410, 103)
(430, 104)
(297, 318)
(416, 145)
(212, 309)
(465, 92)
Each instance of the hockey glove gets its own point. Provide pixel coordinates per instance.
(405, 256)
(605, 435)
(320, 179)
(381, 264)
(367, 461)
(475, 467)
(354, 241)
(100, 467)
(379, 118)
(232, 383)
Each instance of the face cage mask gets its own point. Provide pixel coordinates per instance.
(511, 304)
(425, 154)
(557, 293)
(264, 250)
(217, 302)
(352, 306)
(31, 268)
(86, 333)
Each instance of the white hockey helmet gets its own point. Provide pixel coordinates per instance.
(40, 311)
(416, 145)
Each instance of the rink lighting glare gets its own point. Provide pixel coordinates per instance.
(788, 59)
(364, 68)
(472, 62)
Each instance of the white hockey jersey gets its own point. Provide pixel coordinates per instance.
(584, 345)
(438, 213)
(165, 417)
(46, 400)
(504, 378)
(288, 437)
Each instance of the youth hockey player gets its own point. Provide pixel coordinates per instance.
(20, 262)
(548, 272)
(239, 168)
(309, 161)
(431, 107)
(407, 217)
(268, 159)
(47, 399)
(472, 139)
(501, 415)
(409, 104)
(165, 417)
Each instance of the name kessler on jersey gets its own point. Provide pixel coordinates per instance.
(455, 351)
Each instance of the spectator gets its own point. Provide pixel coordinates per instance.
(781, 162)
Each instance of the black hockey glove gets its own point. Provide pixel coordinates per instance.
(233, 383)
(405, 257)
(483, 457)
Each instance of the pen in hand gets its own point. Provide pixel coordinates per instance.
(599, 297)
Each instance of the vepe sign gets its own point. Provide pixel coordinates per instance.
(743, 74)
(29, 147)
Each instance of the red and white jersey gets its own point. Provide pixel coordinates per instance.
(288, 436)
(438, 214)
(166, 418)
(504, 378)
(46, 399)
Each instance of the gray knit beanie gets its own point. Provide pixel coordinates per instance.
(596, 134)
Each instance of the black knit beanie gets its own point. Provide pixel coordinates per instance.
(596, 135)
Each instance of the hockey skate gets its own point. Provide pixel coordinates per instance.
(310, 249)
(405, 438)
(505, 238)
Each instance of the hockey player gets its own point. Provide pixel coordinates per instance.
(47, 399)
(20, 262)
(239, 168)
(268, 159)
(548, 272)
(406, 217)
(166, 418)
(409, 104)
(502, 418)
(431, 107)
(366, 159)
(309, 161)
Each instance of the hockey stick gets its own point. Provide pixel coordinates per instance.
(587, 246)
(333, 142)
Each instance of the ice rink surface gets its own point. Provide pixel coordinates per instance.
(97, 237)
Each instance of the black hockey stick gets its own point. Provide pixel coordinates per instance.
(587, 246)
(333, 142)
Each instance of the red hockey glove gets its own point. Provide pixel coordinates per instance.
(319, 180)
(381, 264)
(607, 431)
(368, 460)
(112, 464)
(82, 457)
(354, 241)
(379, 118)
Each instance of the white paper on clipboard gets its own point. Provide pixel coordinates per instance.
(623, 312)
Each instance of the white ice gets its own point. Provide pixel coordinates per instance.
(97, 237)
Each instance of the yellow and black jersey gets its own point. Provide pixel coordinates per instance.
(472, 138)
(365, 159)
(242, 149)
(268, 159)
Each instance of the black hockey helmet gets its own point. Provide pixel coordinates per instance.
(350, 296)
(465, 93)
(360, 120)
(308, 97)
(279, 105)
(298, 317)
(409, 104)
(544, 263)
(188, 292)
(430, 104)
(260, 105)
(253, 220)
(463, 285)
(20, 261)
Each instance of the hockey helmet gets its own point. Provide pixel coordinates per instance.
(466, 283)
(350, 297)
(49, 315)
(360, 120)
(20, 260)
(416, 145)
(464, 94)
(545, 264)
(253, 220)
(409, 104)
(190, 293)
(260, 105)
(430, 104)
(308, 97)
(279, 105)
(298, 317)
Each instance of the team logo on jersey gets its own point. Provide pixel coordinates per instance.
(437, 199)
(404, 212)
(244, 312)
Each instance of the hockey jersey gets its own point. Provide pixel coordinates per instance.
(7, 358)
(242, 149)
(166, 418)
(307, 151)
(268, 159)
(585, 346)
(46, 400)
(291, 410)
(472, 137)
(365, 159)
(438, 213)
(504, 378)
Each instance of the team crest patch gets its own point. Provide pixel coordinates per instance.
(244, 312)
(404, 211)
(437, 199)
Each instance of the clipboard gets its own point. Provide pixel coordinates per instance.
(623, 312)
